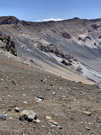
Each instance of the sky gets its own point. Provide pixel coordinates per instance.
(39, 10)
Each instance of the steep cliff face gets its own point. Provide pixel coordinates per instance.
(52, 42)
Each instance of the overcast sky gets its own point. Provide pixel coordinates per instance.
(44, 9)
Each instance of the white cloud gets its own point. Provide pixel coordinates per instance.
(52, 19)
(49, 19)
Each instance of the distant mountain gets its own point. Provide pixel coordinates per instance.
(73, 44)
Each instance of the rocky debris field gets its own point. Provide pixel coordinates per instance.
(34, 102)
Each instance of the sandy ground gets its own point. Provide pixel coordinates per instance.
(74, 108)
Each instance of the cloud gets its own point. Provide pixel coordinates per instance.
(49, 19)
(52, 19)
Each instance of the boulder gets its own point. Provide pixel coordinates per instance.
(28, 115)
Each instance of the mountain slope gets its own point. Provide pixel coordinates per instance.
(62, 106)
(70, 44)
(43, 69)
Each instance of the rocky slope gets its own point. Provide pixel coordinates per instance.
(58, 106)
(69, 44)
(42, 90)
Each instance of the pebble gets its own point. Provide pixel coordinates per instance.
(25, 102)
(13, 82)
(53, 123)
(43, 80)
(87, 113)
(48, 117)
(39, 99)
(37, 121)
(53, 93)
(87, 128)
(17, 109)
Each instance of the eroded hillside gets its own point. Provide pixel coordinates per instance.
(46, 75)
(71, 44)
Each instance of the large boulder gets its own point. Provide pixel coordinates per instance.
(28, 115)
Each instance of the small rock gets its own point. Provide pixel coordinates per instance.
(25, 102)
(44, 80)
(13, 82)
(52, 122)
(3, 116)
(53, 93)
(48, 117)
(87, 128)
(39, 99)
(17, 109)
(81, 122)
(37, 121)
(28, 115)
(60, 127)
(87, 113)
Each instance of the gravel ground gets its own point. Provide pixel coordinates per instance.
(63, 107)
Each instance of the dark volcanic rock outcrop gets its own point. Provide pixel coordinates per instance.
(7, 44)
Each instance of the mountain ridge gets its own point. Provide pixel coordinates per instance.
(14, 19)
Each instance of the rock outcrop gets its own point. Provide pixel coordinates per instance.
(7, 44)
